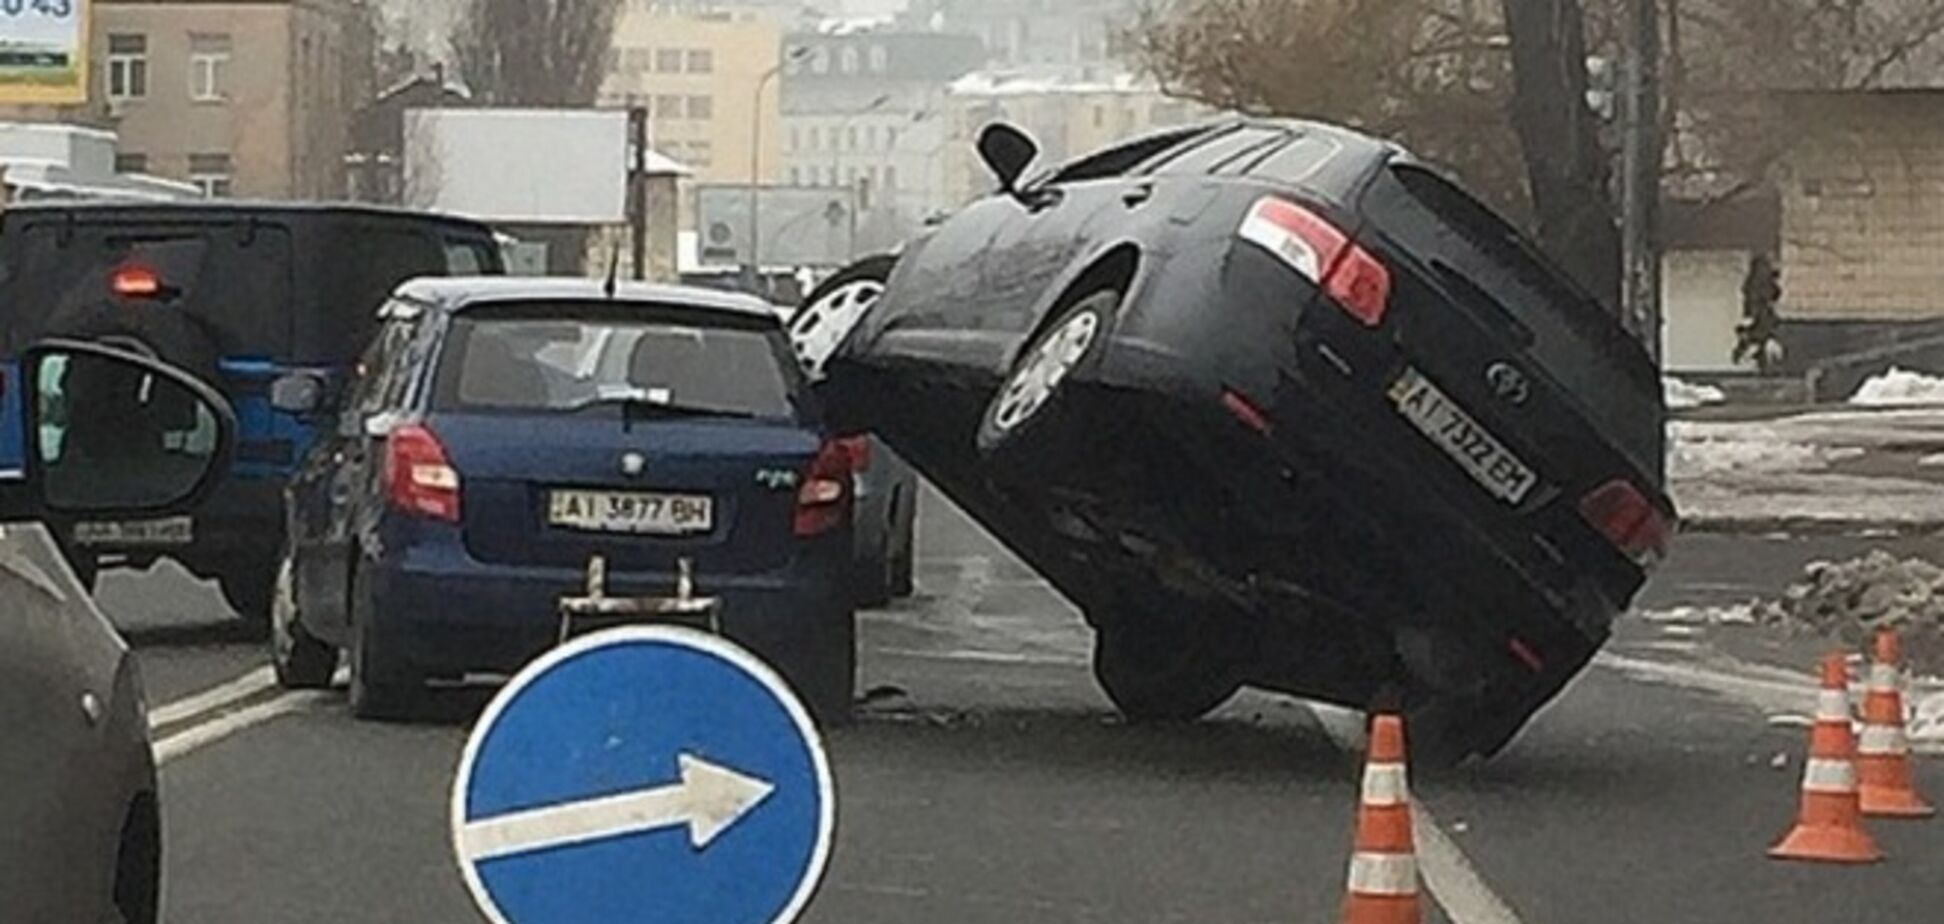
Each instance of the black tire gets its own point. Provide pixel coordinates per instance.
(1013, 426)
(250, 587)
(1165, 670)
(299, 659)
(904, 565)
(1447, 732)
(828, 681)
(871, 583)
(138, 864)
(382, 687)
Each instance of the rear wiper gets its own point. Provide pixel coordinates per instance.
(644, 402)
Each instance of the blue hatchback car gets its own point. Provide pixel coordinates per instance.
(523, 460)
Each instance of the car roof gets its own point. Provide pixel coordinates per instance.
(230, 207)
(458, 293)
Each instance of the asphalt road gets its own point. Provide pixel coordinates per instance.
(989, 782)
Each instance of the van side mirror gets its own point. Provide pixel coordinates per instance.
(114, 433)
(1007, 151)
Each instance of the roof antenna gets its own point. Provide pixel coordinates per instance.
(614, 270)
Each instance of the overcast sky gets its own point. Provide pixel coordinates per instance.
(426, 23)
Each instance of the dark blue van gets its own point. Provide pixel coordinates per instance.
(271, 302)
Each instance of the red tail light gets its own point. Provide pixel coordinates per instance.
(135, 281)
(1246, 411)
(1628, 520)
(823, 501)
(1325, 255)
(859, 450)
(419, 477)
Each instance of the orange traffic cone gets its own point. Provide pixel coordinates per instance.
(1886, 786)
(1829, 828)
(1383, 872)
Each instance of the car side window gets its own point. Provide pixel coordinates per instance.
(1117, 161)
(1213, 156)
(380, 378)
(1298, 160)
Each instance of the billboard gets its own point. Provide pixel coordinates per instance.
(518, 166)
(796, 225)
(44, 51)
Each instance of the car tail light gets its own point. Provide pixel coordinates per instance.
(859, 450)
(823, 500)
(1628, 520)
(419, 477)
(1242, 409)
(134, 281)
(1348, 273)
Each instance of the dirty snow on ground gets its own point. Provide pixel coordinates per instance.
(1851, 600)
(1733, 614)
(1779, 473)
(1899, 387)
(1682, 395)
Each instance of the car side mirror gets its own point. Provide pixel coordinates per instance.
(118, 434)
(1007, 151)
(380, 425)
(298, 393)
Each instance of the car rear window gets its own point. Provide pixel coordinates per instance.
(224, 279)
(564, 363)
(1478, 255)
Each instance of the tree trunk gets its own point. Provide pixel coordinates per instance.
(1565, 164)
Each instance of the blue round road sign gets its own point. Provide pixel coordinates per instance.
(643, 774)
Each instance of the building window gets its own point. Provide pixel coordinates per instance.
(850, 138)
(213, 174)
(1100, 116)
(871, 137)
(890, 178)
(880, 59)
(820, 61)
(701, 108)
(668, 106)
(131, 162)
(701, 153)
(701, 61)
(796, 176)
(890, 139)
(127, 66)
(668, 61)
(796, 138)
(209, 57)
(850, 61)
(816, 139)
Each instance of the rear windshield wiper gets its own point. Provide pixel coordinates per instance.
(645, 402)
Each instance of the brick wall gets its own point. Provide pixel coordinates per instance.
(1863, 208)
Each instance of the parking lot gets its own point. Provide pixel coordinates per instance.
(988, 780)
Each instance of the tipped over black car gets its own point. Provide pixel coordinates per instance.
(1276, 404)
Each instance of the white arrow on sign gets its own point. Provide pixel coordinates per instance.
(709, 799)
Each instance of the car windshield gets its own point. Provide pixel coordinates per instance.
(974, 461)
(570, 365)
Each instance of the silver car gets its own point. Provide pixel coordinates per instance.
(112, 435)
(886, 485)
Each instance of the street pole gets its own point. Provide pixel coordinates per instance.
(638, 191)
(1640, 183)
(753, 268)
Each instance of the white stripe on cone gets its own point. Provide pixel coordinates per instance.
(1383, 874)
(1882, 740)
(1884, 677)
(1385, 785)
(1822, 774)
(1832, 706)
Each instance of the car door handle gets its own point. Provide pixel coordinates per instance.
(1138, 196)
(91, 708)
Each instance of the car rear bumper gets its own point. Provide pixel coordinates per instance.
(446, 615)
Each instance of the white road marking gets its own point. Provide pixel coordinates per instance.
(708, 801)
(983, 657)
(1448, 875)
(213, 699)
(195, 737)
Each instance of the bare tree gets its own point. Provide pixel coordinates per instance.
(536, 52)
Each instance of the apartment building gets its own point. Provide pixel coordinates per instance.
(245, 98)
(709, 80)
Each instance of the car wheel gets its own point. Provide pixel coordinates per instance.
(833, 309)
(828, 682)
(381, 688)
(138, 864)
(1030, 399)
(903, 552)
(250, 588)
(1164, 672)
(300, 660)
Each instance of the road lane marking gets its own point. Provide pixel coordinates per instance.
(1448, 874)
(195, 737)
(216, 698)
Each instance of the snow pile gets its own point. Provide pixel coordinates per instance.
(1702, 449)
(1682, 395)
(1899, 388)
(1731, 615)
(1850, 600)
